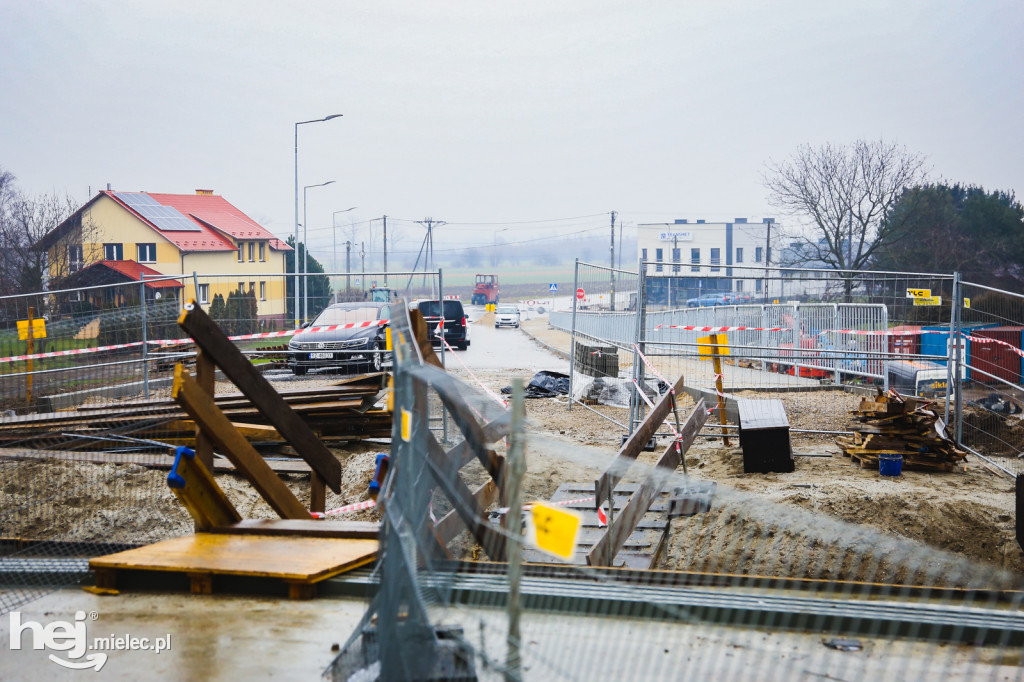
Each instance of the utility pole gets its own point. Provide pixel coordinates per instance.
(385, 250)
(362, 256)
(613, 260)
(428, 262)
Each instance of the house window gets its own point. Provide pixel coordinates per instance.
(204, 293)
(241, 252)
(252, 251)
(739, 285)
(263, 287)
(643, 254)
(676, 257)
(659, 255)
(74, 258)
(263, 252)
(241, 287)
(695, 260)
(113, 252)
(146, 253)
(759, 254)
(716, 259)
(758, 282)
(252, 288)
(739, 254)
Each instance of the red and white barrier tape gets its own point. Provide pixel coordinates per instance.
(172, 342)
(368, 504)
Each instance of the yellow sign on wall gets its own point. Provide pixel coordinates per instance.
(928, 300)
(38, 328)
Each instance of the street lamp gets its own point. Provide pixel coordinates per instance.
(494, 255)
(296, 260)
(305, 249)
(334, 260)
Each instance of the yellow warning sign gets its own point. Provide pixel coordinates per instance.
(706, 346)
(556, 529)
(967, 303)
(919, 293)
(406, 425)
(928, 300)
(38, 328)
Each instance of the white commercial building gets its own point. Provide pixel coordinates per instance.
(688, 259)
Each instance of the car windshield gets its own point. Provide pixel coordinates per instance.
(345, 316)
(508, 309)
(452, 309)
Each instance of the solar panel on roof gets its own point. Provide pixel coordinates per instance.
(165, 218)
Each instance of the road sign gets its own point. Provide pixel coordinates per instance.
(555, 529)
(707, 346)
(553, 287)
(928, 300)
(919, 293)
(580, 294)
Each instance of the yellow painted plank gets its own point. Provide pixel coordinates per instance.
(288, 558)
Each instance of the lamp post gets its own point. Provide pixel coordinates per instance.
(494, 255)
(305, 249)
(334, 259)
(295, 263)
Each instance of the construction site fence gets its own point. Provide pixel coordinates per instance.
(686, 595)
(820, 340)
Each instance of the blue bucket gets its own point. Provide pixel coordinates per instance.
(890, 465)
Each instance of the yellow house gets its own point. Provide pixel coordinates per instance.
(175, 234)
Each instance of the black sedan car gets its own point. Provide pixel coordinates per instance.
(345, 335)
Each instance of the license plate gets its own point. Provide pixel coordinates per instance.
(321, 356)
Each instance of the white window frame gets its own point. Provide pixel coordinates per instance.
(116, 248)
(241, 252)
(263, 252)
(263, 291)
(204, 293)
(147, 247)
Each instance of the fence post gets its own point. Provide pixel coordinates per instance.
(30, 349)
(638, 345)
(572, 330)
(516, 466)
(958, 355)
(145, 331)
(950, 355)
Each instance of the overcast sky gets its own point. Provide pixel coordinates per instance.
(498, 112)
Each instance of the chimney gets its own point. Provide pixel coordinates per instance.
(204, 192)
(109, 188)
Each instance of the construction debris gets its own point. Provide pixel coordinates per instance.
(893, 424)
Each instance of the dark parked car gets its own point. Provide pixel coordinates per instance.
(456, 326)
(356, 345)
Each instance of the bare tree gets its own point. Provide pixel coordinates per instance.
(24, 221)
(842, 194)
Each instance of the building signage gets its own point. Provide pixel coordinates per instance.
(673, 236)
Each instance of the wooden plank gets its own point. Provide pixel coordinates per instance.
(193, 485)
(205, 375)
(471, 430)
(622, 525)
(313, 528)
(463, 501)
(236, 367)
(307, 559)
(317, 493)
(451, 524)
(241, 453)
(629, 451)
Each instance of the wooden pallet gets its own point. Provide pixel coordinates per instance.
(641, 548)
(299, 562)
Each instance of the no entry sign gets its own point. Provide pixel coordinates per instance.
(580, 294)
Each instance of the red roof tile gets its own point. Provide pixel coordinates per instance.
(217, 219)
(133, 270)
